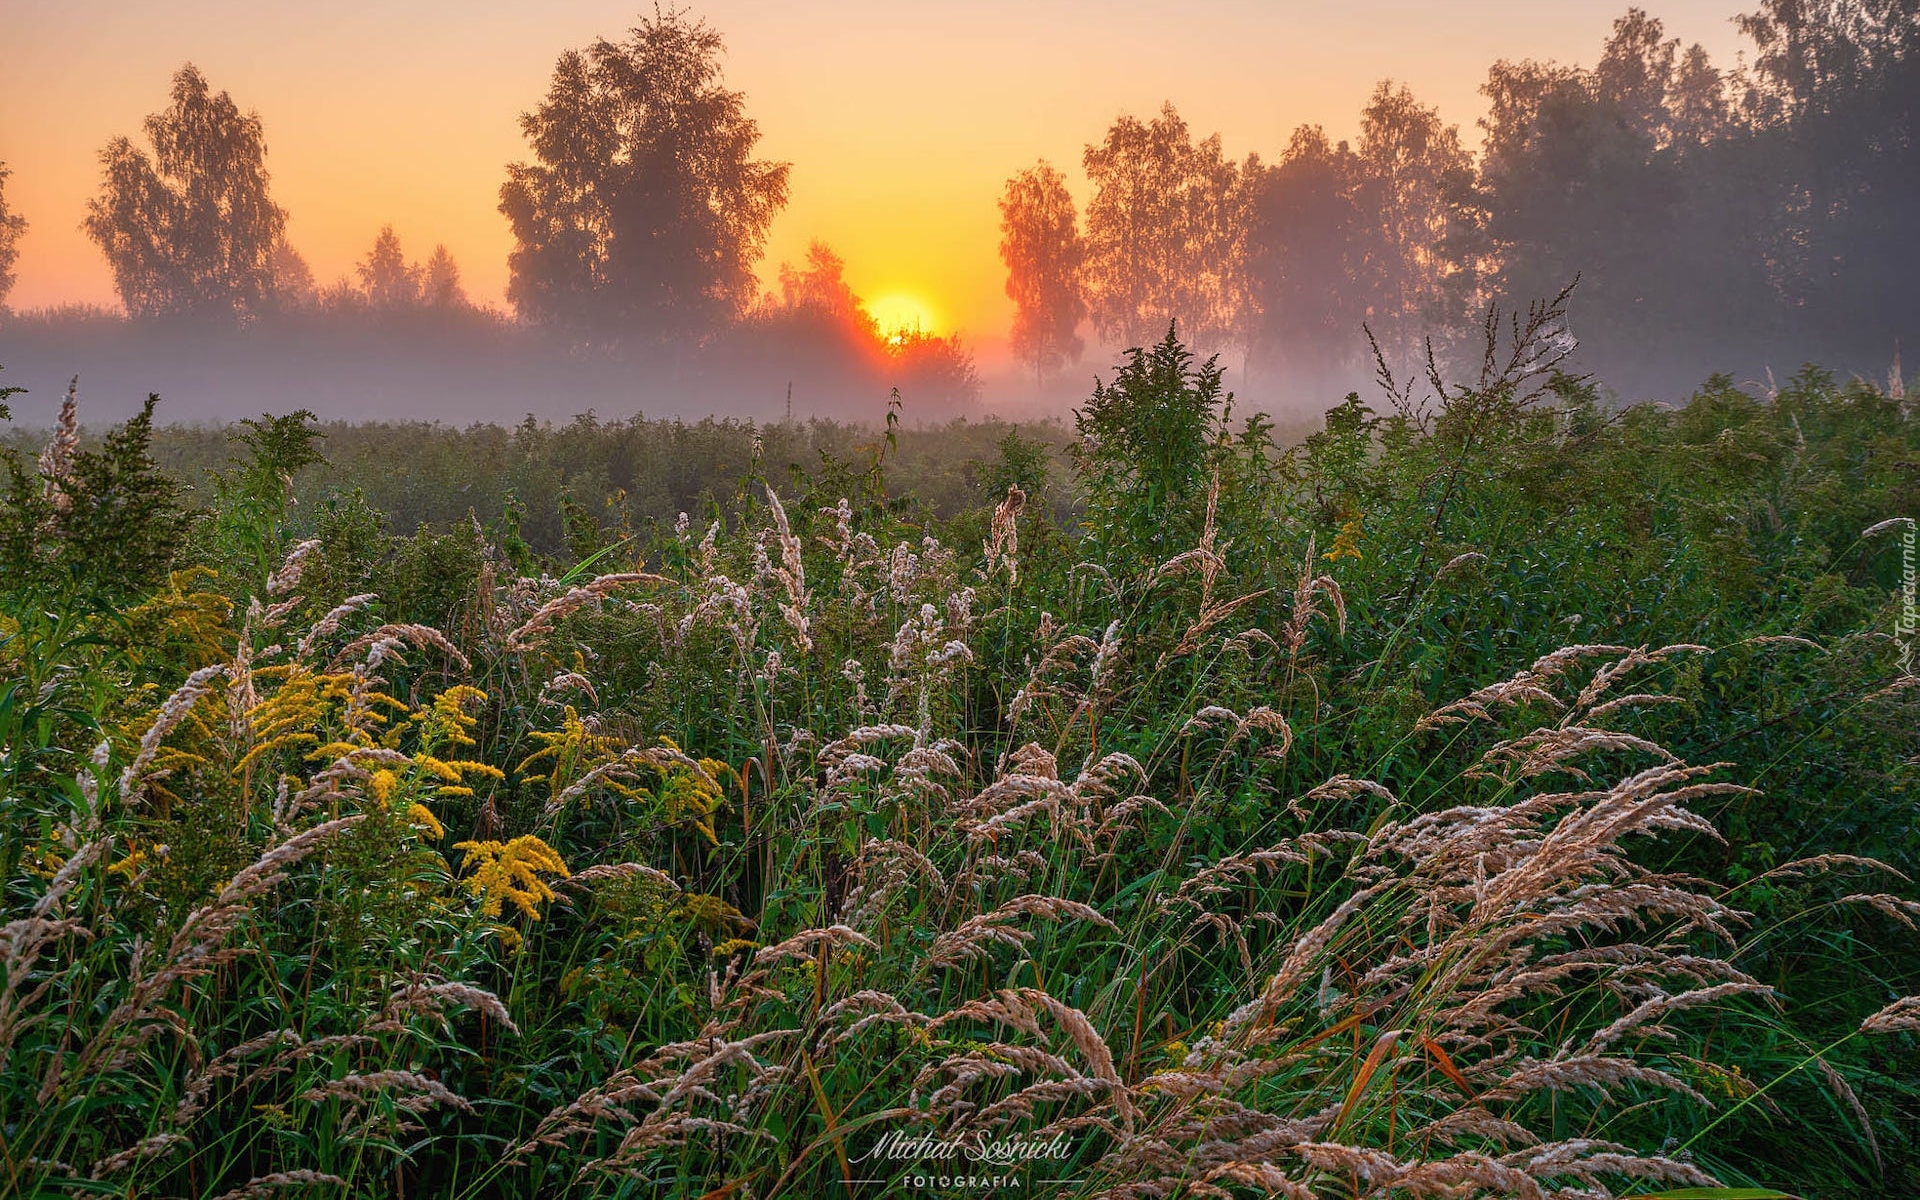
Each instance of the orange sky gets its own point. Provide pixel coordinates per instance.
(902, 120)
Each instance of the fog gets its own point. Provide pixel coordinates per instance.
(1745, 219)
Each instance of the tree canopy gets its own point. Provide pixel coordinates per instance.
(1040, 244)
(1165, 234)
(190, 229)
(645, 210)
(12, 226)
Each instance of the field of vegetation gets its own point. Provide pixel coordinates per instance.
(1487, 794)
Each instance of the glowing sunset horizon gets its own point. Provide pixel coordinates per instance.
(901, 129)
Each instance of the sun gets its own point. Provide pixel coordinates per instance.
(900, 313)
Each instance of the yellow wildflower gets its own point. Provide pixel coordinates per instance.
(497, 873)
(467, 765)
(436, 767)
(569, 752)
(383, 784)
(421, 816)
(1346, 543)
(449, 721)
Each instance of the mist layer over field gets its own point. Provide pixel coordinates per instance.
(1742, 216)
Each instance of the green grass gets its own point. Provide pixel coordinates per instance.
(1164, 840)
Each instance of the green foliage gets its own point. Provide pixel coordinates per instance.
(13, 226)
(252, 497)
(791, 764)
(645, 212)
(100, 532)
(1147, 446)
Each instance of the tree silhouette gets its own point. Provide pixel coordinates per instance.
(1308, 256)
(440, 285)
(645, 211)
(12, 227)
(820, 290)
(1697, 108)
(389, 281)
(1165, 234)
(293, 288)
(1837, 110)
(189, 229)
(1041, 246)
(1815, 56)
(1418, 181)
(1635, 74)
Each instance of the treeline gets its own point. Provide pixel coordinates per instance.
(638, 227)
(1715, 218)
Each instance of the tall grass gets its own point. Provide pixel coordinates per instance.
(1294, 841)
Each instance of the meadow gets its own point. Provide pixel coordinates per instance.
(1486, 793)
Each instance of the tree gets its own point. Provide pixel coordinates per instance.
(1636, 177)
(1418, 180)
(1307, 257)
(1165, 234)
(1815, 56)
(440, 285)
(645, 211)
(189, 229)
(1041, 246)
(390, 281)
(12, 226)
(1697, 109)
(820, 290)
(293, 285)
(1836, 108)
(1636, 74)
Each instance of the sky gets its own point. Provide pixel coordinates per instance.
(903, 120)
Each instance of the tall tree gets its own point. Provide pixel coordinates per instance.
(12, 227)
(1836, 110)
(820, 289)
(1044, 254)
(1635, 75)
(1308, 258)
(645, 211)
(1816, 55)
(1165, 234)
(440, 285)
(1418, 182)
(293, 285)
(388, 279)
(189, 229)
(1697, 108)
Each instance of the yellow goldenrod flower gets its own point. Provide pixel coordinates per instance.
(497, 873)
(383, 784)
(466, 765)
(420, 816)
(1346, 543)
(438, 768)
(569, 752)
